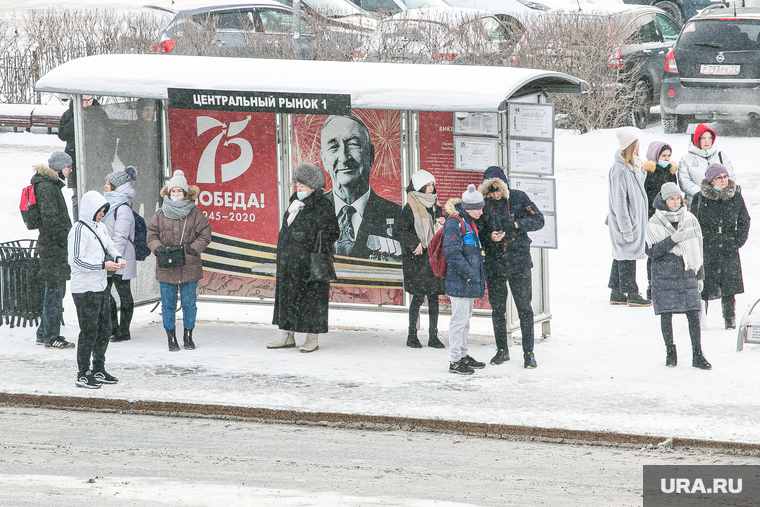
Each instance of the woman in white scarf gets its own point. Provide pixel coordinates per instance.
(674, 242)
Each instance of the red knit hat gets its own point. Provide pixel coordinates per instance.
(701, 129)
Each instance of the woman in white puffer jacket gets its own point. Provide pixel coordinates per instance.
(702, 152)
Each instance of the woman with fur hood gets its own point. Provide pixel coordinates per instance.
(508, 216)
(721, 212)
(179, 222)
(702, 152)
(674, 243)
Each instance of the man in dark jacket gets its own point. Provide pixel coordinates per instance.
(508, 216)
(52, 246)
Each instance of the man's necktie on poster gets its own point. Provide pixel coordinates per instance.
(345, 242)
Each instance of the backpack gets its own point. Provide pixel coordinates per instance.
(435, 250)
(30, 211)
(141, 235)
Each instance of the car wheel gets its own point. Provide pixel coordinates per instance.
(640, 115)
(671, 8)
(674, 123)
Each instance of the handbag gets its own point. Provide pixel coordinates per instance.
(172, 256)
(321, 266)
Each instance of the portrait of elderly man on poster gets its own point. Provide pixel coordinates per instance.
(366, 220)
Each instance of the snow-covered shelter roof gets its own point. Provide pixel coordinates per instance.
(371, 85)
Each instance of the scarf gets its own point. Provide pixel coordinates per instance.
(661, 227)
(176, 210)
(293, 209)
(115, 199)
(424, 225)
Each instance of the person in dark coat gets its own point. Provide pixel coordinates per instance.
(674, 243)
(179, 222)
(52, 246)
(508, 216)
(721, 212)
(465, 274)
(300, 305)
(659, 170)
(419, 220)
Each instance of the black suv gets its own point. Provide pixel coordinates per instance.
(713, 71)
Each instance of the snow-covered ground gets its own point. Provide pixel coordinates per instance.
(603, 367)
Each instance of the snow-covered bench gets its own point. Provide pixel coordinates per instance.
(26, 116)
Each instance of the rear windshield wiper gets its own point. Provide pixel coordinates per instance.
(708, 45)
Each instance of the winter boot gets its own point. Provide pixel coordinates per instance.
(729, 312)
(412, 340)
(433, 340)
(502, 356)
(635, 299)
(188, 339)
(618, 298)
(310, 345)
(286, 341)
(171, 334)
(529, 360)
(671, 359)
(699, 361)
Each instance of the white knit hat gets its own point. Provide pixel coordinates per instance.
(627, 136)
(420, 179)
(178, 180)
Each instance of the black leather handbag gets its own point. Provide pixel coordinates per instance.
(322, 268)
(172, 256)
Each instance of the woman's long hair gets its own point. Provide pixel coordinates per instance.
(628, 154)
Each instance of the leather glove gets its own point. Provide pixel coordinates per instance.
(627, 236)
(678, 236)
(700, 285)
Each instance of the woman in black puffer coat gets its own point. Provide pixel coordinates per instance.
(419, 220)
(721, 212)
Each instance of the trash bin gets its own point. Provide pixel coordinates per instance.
(21, 292)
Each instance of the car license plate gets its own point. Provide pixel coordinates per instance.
(719, 70)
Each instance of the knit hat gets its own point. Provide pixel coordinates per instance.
(118, 178)
(670, 189)
(472, 199)
(627, 136)
(178, 180)
(699, 130)
(714, 170)
(59, 160)
(309, 175)
(420, 179)
(655, 150)
(494, 171)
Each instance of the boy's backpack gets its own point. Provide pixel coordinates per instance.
(435, 250)
(141, 236)
(30, 211)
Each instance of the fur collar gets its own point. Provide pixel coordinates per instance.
(47, 172)
(710, 193)
(650, 167)
(451, 205)
(192, 192)
(492, 185)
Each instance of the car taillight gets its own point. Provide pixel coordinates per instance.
(445, 57)
(670, 63)
(164, 46)
(616, 59)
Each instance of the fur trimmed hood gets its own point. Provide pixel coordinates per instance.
(47, 172)
(192, 192)
(492, 185)
(710, 193)
(451, 205)
(650, 167)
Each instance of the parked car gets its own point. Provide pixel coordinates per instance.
(439, 35)
(713, 71)
(513, 13)
(640, 38)
(680, 10)
(387, 7)
(344, 12)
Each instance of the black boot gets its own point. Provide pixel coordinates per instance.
(412, 340)
(188, 339)
(729, 312)
(671, 359)
(699, 361)
(433, 340)
(171, 334)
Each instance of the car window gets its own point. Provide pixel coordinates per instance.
(645, 31)
(379, 5)
(233, 20)
(277, 21)
(726, 35)
(494, 30)
(668, 28)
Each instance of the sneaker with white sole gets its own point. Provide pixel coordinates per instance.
(59, 343)
(460, 368)
(105, 378)
(469, 361)
(87, 380)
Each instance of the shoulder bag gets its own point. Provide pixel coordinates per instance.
(172, 256)
(321, 267)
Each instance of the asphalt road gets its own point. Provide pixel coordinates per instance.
(70, 458)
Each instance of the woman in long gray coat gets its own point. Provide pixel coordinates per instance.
(179, 222)
(674, 243)
(627, 219)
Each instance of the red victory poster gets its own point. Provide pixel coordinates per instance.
(231, 155)
(361, 156)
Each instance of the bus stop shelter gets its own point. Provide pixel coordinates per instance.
(238, 128)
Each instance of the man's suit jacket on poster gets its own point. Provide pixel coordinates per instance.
(373, 222)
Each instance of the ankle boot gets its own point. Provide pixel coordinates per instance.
(310, 345)
(412, 340)
(671, 358)
(286, 340)
(171, 334)
(699, 361)
(188, 339)
(433, 340)
(729, 312)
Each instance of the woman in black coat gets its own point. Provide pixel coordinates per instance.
(721, 212)
(674, 243)
(300, 306)
(419, 220)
